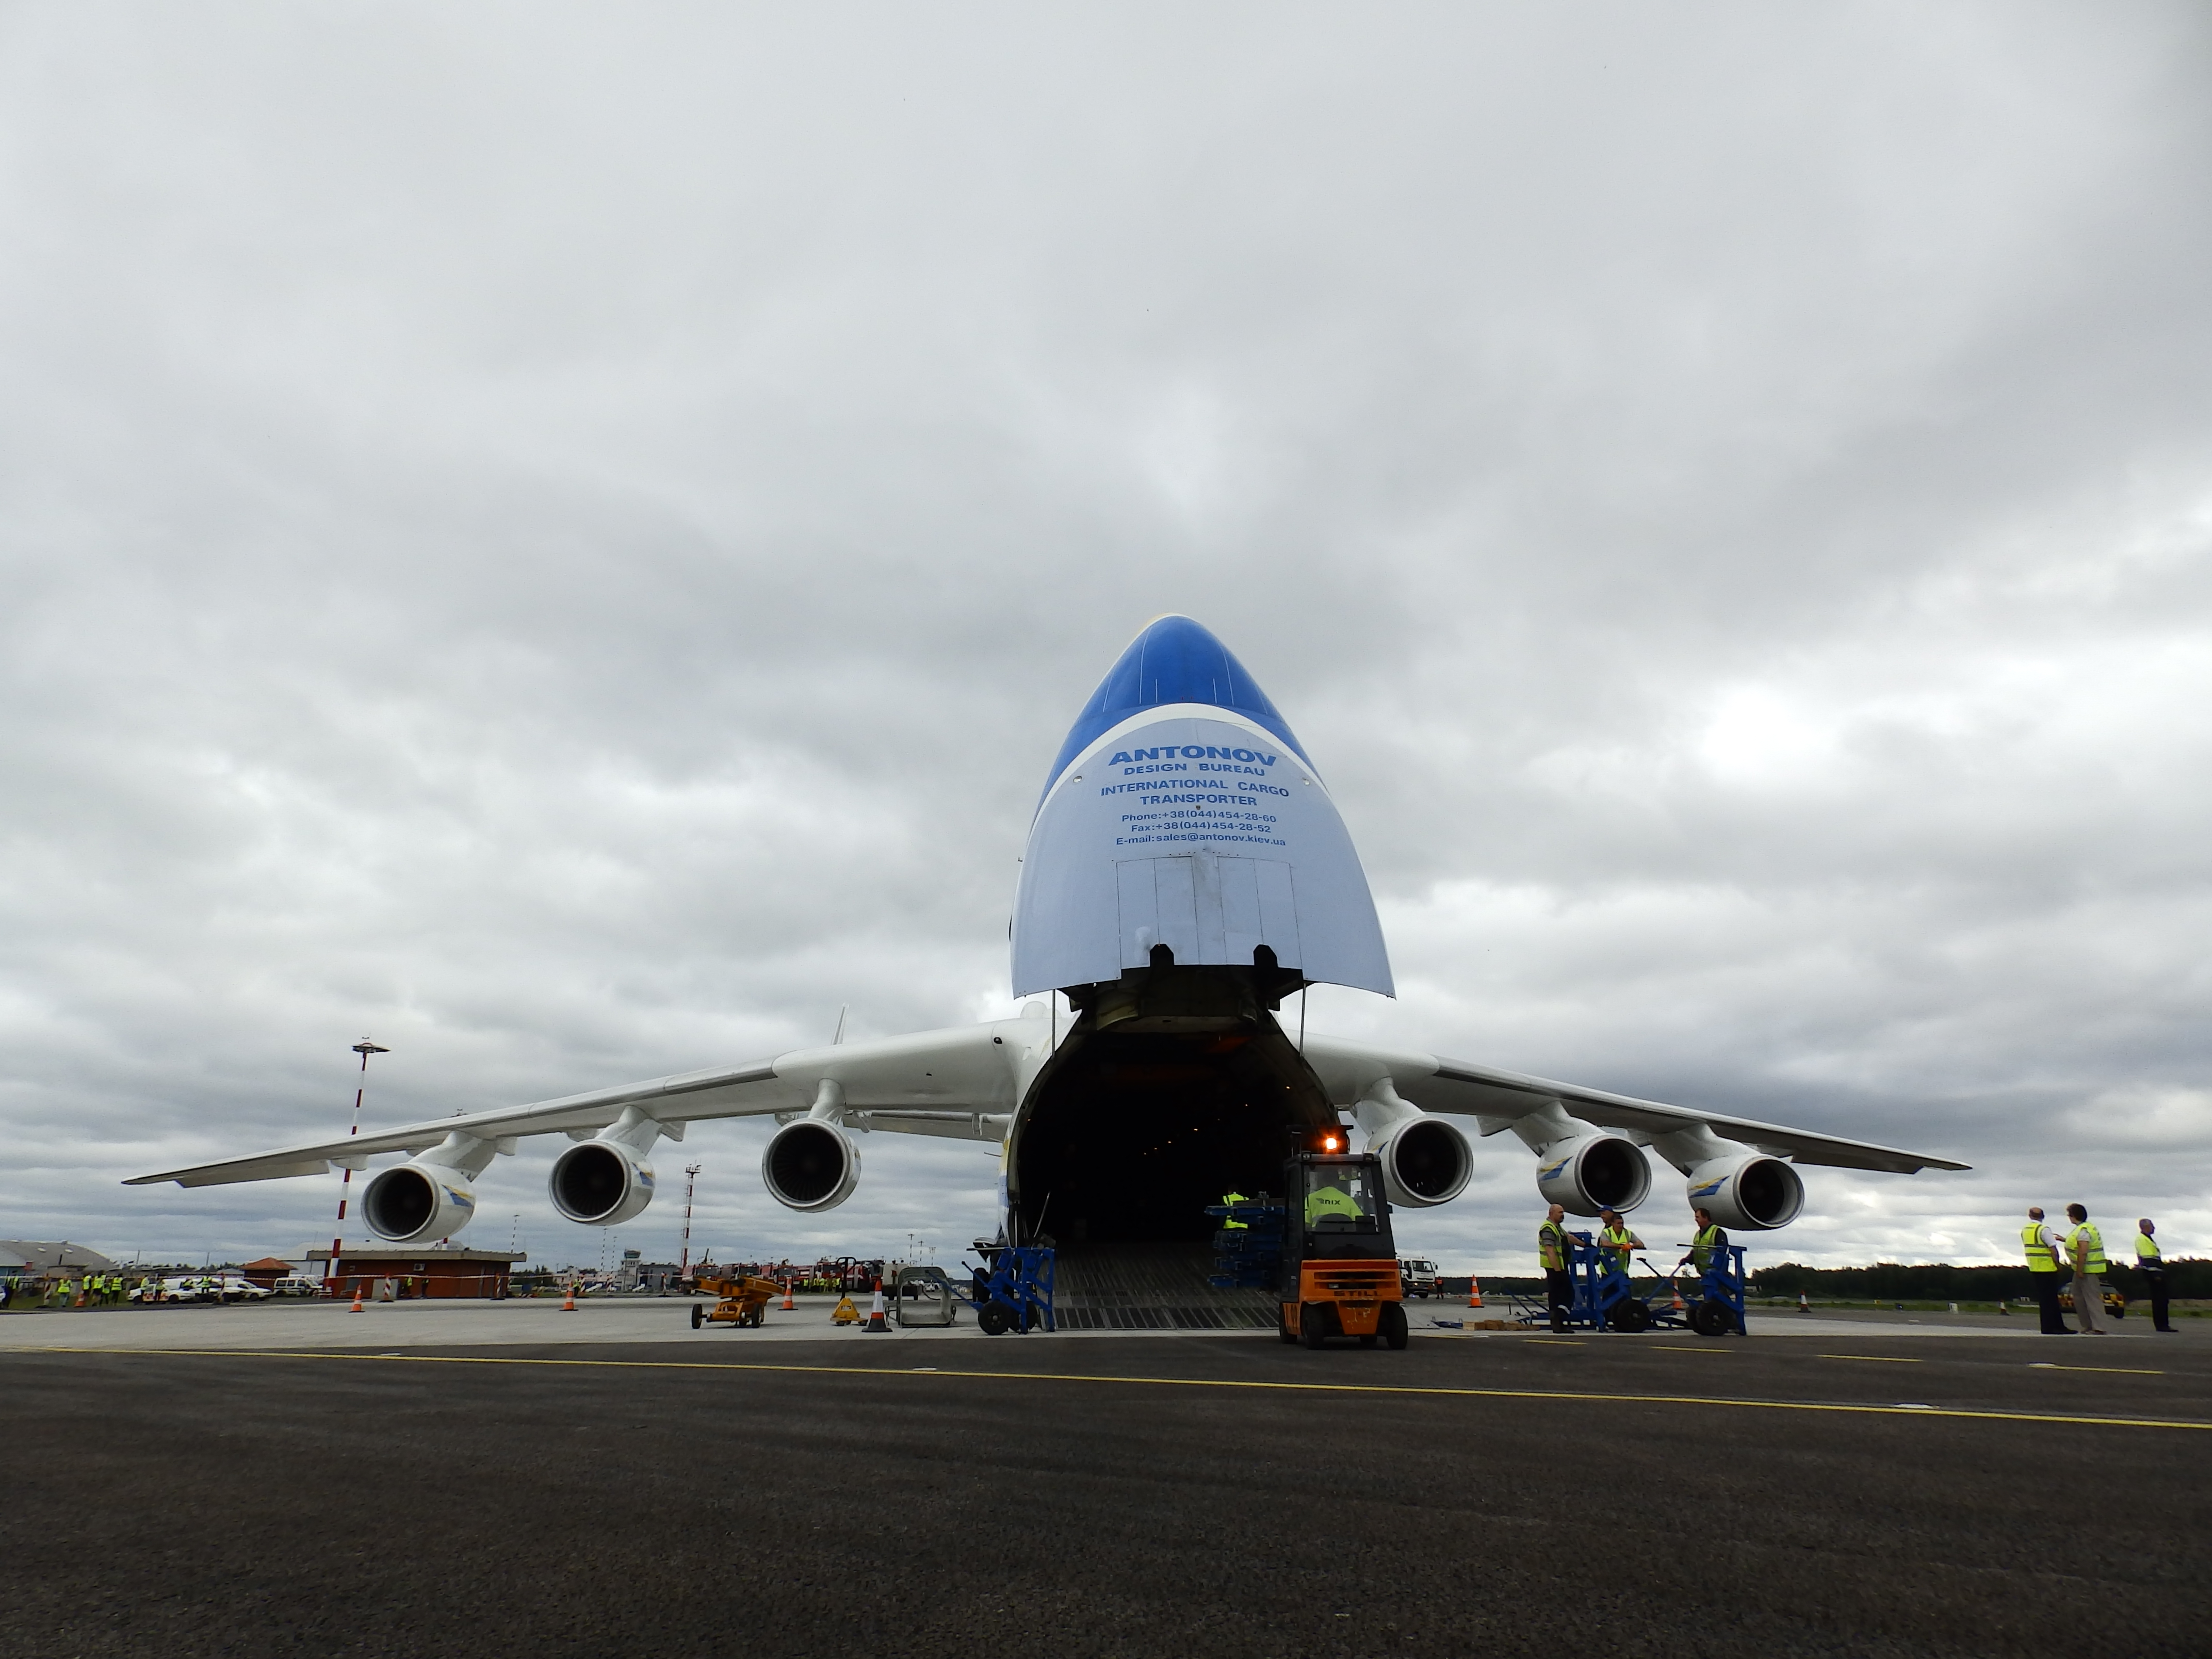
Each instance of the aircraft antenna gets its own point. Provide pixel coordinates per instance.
(839, 1035)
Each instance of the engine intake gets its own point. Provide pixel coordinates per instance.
(410, 1203)
(1754, 1194)
(810, 1165)
(601, 1182)
(1426, 1162)
(1595, 1172)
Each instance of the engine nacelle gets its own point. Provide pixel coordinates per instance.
(412, 1203)
(1594, 1172)
(602, 1183)
(1750, 1194)
(810, 1165)
(1425, 1161)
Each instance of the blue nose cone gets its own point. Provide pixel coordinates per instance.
(1174, 661)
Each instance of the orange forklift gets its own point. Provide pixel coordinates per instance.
(1339, 1264)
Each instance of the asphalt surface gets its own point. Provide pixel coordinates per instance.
(1214, 1496)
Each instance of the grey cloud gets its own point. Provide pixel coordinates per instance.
(566, 541)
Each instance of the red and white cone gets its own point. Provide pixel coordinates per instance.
(877, 1321)
(1804, 1302)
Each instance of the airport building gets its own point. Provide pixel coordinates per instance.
(440, 1271)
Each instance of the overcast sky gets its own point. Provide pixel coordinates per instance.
(565, 540)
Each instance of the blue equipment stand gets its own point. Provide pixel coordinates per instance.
(1606, 1299)
(1012, 1291)
(1248, 1256)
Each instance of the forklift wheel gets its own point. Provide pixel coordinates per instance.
(1283, 1325)
(1317, 1322)
(996, 1317)
(695, 1315)
(1394, 1325)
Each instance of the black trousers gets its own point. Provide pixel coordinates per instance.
(2158, 1314)
(2046, 1300)
(1558, 1295)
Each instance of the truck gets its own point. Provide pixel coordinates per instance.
(1338, 1276)
(1417, 1275)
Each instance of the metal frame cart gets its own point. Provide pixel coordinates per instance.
(1012, 1291)
(1606, 1297)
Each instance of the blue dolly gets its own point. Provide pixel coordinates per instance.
(1012, 1291)
(1248, 1254)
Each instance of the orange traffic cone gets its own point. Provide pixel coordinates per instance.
(1677, 1289)
(790, 1304)
(356, 1307)
(1473, 1291)
(569, 1305)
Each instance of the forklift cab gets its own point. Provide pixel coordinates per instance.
(1340, 1273)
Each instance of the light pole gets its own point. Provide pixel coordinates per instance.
(364, 1049)
(684, 1261)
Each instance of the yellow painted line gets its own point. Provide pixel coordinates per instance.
(1875, 1359)
(1408, 1390)
(2109, 1371)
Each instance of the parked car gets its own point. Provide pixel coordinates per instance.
(294, 1285)
(1418, 1274)
(210, 1287)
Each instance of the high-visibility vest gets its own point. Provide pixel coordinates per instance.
(1555, 1251)
(1701, 1253)
(1228, 1222)
(2090, 1258)
(1332, 1200)
(2149, 1256)
(1615, 1242)
(2039, 1258)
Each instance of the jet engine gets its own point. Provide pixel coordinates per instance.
(811, 1165)
(1594, 1172)
(1425, 1161)
(412, 1202)
(602, 1182)
(1752, 1193)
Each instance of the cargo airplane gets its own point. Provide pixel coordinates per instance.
(1187, 870)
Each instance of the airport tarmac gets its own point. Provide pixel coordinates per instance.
(316, 1324)
(1902, 1494)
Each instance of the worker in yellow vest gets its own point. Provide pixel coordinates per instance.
(1227, 1222)
(2150, 1262)
(2087, 1247)
(1615, 1241)
(1555, 1254)
(2046, 1263)
(1330, 1202)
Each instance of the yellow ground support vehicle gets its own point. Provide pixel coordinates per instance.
(1340, 1271)
(740, 1301)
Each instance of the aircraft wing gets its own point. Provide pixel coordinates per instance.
(1500, 1098)
(957, 1083)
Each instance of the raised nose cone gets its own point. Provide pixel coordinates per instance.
(1174, 661)
(1181, 812)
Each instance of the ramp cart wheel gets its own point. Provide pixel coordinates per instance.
(1394, 1324)
(996, 1318)
(1630, 1316)
(695, 1315)
(1711, 1318)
